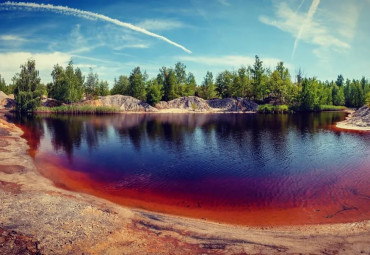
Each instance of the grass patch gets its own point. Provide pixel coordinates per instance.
(268, 108)
(78, 109)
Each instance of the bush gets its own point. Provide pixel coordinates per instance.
(194, 107)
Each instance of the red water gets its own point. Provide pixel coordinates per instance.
(307, 197)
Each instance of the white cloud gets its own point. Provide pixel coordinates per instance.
(160, 24)
(86, 15)
(224, 2)
(306, 23)
(344, 18)
(130, 46)
(317, 31)
(10, 63)
(12, 38)
(229, 61)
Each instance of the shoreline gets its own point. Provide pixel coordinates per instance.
(160, 111)
(175, 111)
(31, 205)
(344, 125)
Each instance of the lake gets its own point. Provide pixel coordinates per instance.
(251, 169)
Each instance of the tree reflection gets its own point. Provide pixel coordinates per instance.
(32, 127)
(246, 133)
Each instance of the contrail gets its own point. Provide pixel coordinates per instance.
(311, 12)
(87, 15)
(300, 5)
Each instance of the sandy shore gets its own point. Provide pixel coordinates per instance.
(37, 217)
(349, 126)
(344, 125)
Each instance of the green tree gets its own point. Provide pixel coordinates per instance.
(154, 92)
(79, 85)
(42, 87)
(207, 90)
(74, 83)
(167, 78)
(180, 71)
(356, 97)
(340, 81)
(325, 93)
(92, 85)
(242, 86)
(120, 86)
(367, 99)
(338, 95)
(276, 84)
(279, 85)
(260, 90)
(103, 88)
(26, 82)
(58, 88)
(190, 85)
(67, 85)
(137, 84)
(309, 99)
(355, 91)
(224, 84)
(3, 86)
(364, 82)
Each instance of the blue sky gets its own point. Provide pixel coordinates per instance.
(331, 37)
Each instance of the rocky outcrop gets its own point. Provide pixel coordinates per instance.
(124, 103)
(233, 105)
(190, 103)
(360, 118)
(193, 103)
(6, 102)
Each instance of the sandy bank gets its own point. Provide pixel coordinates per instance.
(356, 120)
(64, 222)
(344, 125)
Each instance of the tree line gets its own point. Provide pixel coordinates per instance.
(255, 82)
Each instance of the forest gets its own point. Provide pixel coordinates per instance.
(256, 82)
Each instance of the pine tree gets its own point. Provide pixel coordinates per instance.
(103, 88)
(190, 85)
(154, 92)
(92, 85)
(120, 86)
(137, 84)
(208, 87)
